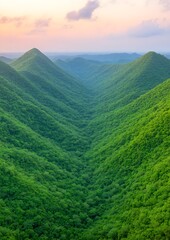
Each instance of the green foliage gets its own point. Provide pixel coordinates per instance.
(130, 162)
(84, 164)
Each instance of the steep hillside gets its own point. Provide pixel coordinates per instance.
(35, 65)
(84, 156)
(129, 196)
(40, 161)
(51, 86)
(24, 101)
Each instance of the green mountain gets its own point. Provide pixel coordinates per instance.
(84, 149)
(35, 63)
(50, 85)
(133, 79)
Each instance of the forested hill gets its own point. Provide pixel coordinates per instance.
(84, 149)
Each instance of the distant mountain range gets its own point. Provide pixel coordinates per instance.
(103, 58)
(5, 59)
(84, 147)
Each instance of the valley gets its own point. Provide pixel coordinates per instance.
(84, 148)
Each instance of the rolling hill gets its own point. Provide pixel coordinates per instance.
(84, 150)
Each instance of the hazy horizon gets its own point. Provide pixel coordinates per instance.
(62, 55)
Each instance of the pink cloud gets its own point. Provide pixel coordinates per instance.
(40, 25)
(18, 21)
(84, 13)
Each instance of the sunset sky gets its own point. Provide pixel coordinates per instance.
(85, 25)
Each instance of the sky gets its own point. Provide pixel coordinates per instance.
(85, 25)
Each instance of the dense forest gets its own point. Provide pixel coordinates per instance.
(84, 148)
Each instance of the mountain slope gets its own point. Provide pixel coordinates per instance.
(133, 80)
(49, 85)
(40, 161)
(129, 195)
(36, 62)
(31, 112)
